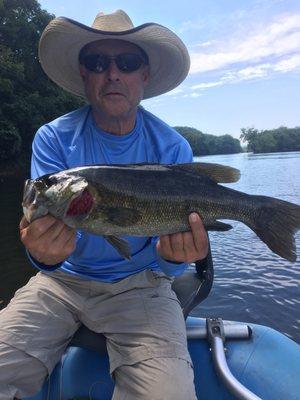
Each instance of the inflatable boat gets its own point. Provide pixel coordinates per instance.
(232, 360)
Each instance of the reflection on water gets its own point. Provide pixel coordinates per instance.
(251, 283)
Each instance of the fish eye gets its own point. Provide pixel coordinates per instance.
(39, 185)
(49, 180)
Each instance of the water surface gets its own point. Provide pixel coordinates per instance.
(252, 283)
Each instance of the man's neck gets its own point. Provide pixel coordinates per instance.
(115, 125)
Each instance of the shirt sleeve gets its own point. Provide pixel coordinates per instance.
(46, 153)
(41, 266)
(183, 153)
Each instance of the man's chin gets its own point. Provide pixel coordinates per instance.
(117, 110)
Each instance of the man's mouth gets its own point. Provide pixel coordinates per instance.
(114, 94)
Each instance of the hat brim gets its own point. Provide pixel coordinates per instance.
(63, 39)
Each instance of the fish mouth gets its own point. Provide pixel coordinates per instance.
(68, 198)
(63, 196)
(29, 192)
(31, 207)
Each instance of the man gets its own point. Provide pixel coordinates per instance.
(82, 278)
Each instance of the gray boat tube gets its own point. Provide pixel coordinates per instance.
(233, 385)
(216, 331)
(196, 329)
(216, 335)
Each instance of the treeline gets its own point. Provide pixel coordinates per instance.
(204, 144)
(28, 98)
(274, 140)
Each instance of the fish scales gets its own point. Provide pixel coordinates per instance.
(161, 205)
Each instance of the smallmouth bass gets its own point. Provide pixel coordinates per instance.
(156, 199)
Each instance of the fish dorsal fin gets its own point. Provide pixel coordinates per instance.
(219, 173)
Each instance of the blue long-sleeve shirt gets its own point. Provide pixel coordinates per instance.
(74, 140)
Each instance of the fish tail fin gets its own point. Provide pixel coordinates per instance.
(276, 222)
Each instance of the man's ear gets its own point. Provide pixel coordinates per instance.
(146, 75)
(82, 72)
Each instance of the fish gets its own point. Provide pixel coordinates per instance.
(157, 199)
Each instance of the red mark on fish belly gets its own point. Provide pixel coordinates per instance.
(82, 204)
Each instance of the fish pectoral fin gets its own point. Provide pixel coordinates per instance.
(122, 216)
(219, 173)
(121, 245)
(218, 226)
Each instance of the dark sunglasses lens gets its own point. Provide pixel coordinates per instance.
(96, 62)
(129, 62)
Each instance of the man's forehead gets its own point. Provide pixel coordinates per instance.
(111, 45)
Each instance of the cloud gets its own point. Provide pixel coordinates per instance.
(193, 95)
(175, 91)
(264, 51)
(289, 64)
(233, 76)
(258, 71)
(190, 26)
(280, 38)
(205, 44)
(206, 85)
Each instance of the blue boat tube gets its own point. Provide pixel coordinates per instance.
(266, 362)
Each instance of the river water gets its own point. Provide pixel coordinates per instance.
(251, 283)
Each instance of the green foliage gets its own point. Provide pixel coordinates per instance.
(10, 141)
(204, 144)
(28, 99)
(269, 141)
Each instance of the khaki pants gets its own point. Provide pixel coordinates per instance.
(140, 317)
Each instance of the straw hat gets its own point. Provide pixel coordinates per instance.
(63, 38)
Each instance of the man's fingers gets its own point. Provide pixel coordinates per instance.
(48, 239)
(185, 246)
(199, 235)
(23, 223)
(164, 244)
(70, 243)
(64, 236)
(41, 225)
(176, 241)
(53, 233)
(188, 244)
(64, 244)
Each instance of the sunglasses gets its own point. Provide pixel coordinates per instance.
(126, 62)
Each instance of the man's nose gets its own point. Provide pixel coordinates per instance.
(113, 72)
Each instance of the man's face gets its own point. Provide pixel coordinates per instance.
(113, 93)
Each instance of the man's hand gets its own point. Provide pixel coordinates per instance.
(48, 239)
(185, 246)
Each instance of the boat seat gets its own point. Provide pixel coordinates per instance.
(192, 287)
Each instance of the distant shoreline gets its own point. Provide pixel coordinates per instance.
(15, 169)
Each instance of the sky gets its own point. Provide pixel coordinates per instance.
(245, 59)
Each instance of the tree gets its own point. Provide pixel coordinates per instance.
(28, 98)
(205, 144)
(250, 135)
(275, 140)
(10, 141)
